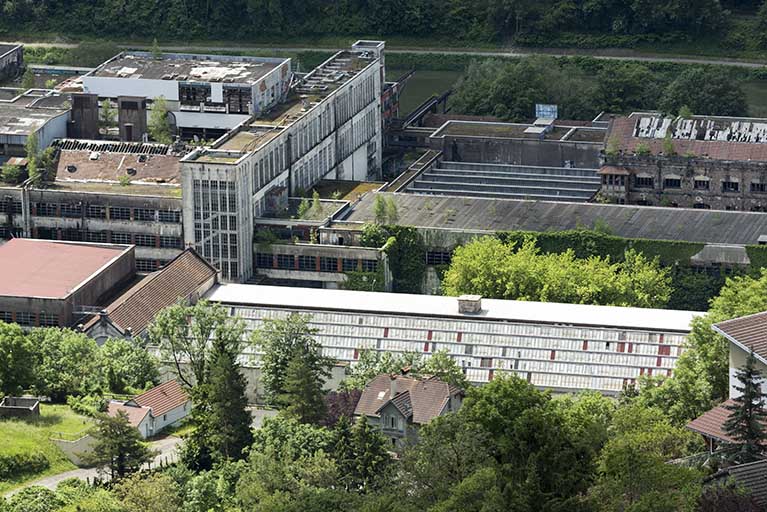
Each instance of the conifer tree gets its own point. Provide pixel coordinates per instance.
(343, 451)
(747, 413)
(118, 446)
(303, 397)
(230, 421)
(370, 456)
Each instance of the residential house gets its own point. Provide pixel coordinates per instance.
(399, 404)
(153, 411)
(744, 334)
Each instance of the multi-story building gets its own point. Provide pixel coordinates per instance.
(330, 127)
(702, 162)
(564, 347)
(206, 94)
(104, 192)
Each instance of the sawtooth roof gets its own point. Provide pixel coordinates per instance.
(492, 215)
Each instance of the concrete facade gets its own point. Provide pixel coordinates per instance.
(11, 60)
(332, 129)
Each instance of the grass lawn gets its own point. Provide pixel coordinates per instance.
(34, 436)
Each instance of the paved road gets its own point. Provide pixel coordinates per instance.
(167, 448)
(606, 54)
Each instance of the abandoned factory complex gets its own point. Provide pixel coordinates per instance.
(268, 177)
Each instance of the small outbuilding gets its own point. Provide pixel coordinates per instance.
(153, 411)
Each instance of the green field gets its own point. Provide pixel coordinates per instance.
(34, 436)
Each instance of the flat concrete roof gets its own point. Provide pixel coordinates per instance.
(378, 303)
(476, 215)
(28, 112)
(189, 67)
(51, 269)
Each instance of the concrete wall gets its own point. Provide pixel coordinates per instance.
(547, 153)
(106, 280)
(75, 450)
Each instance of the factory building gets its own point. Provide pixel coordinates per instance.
(207, 95)
(51, 284)
(330, 127)
(563, 347)
(23, 113)
(104, 192)
(702, 162)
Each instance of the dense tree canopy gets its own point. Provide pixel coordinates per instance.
(493, 269)
(467, 19)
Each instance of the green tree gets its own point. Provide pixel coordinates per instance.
(229, 420)
(443, 366)
(33, 499)
(371, 364)
(118, 446)
(392, 215)
(156, 51)
(490, 268)
(159, 126)
(379, 209)
(17, 354)
(67, 363)
(303, 397)
(12, 174)
(705, 91)
(316, 204)
(280, 340)
(449, 450)
(370, 455)
(128, 366)
(28, 79)
(149, 493)
(746, 421)
(108, 118)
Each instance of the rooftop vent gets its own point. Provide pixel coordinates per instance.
(469, 304)
(71, 168)
(130, 171)
(94, 155)
(142, 158)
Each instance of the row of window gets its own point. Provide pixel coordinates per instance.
(28, 319)
(698, 184)
(103, 237)
(311, 263)
(94, 211)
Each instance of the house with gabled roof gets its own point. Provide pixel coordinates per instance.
(187, 277)
(155, 409)
(400, 404)
(744, 334)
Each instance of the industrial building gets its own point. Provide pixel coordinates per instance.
(11, 60)
(702, 162)
(24, 113)
(104, 192)
(52, 284)
(563, 347)
(330, 127)
(207, 95)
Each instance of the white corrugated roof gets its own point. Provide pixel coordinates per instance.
(439, 306)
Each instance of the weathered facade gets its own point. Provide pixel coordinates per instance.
(11, 60)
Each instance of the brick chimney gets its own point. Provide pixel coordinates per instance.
(469, 304)
(392, 385)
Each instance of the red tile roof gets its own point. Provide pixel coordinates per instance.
(749, 331)
(135, 414)
(41, 268)
(178, 280)
(711, 423)
(423, 398)
(163, 398)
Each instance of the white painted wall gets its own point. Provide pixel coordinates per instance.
(172, 417)
(110, 87)
(217, 120)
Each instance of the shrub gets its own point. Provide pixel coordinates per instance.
(15, 464)
(87, 405)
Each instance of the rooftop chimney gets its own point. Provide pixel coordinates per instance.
(469, 304)
(392, 385)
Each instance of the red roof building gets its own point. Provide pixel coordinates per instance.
(156, 409)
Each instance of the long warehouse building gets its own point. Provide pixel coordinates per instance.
(563, 347)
